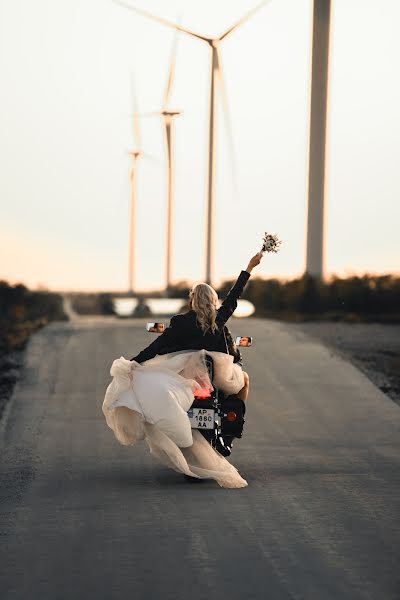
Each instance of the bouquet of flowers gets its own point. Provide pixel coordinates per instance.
(271, 243)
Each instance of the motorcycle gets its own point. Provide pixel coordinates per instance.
(218, 417)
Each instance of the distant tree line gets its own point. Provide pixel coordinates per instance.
(23, 311)
(366, 298)
(93, 303)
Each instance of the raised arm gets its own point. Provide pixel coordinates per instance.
(229, 304)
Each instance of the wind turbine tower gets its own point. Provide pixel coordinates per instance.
(216, 78)
(135, 155)
(317, 151)
(168, 116)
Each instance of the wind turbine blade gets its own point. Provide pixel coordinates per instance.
(136, 125)
(144, 13)
(171, 70)
(153, 160)
(244, 19)
(136, 130)
(228, 125)
(149, 114)
(140, 114)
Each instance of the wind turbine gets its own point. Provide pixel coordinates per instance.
(216, 79)
(135, 154)
(167, 115)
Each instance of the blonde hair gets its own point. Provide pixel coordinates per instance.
(203, 299)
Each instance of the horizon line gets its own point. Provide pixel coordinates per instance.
(188, 283)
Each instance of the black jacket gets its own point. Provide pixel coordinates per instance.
(184, 333)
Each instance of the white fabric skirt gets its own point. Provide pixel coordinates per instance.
(150, 401)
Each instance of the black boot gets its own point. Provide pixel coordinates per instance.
(228, 441)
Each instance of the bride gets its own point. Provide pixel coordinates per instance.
(150, 395)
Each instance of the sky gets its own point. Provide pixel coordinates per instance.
(66, 72)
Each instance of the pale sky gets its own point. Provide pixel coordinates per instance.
(65, 105)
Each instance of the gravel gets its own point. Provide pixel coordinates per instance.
(372, 347)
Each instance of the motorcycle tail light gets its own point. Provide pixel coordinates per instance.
(231, 416)
(201, 393)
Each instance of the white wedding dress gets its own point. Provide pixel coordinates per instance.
(149, 401)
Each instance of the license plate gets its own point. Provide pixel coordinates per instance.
(202, 418)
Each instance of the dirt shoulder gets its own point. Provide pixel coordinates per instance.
(372, 347)
(10, 369)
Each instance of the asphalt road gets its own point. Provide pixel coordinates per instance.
(83, 517)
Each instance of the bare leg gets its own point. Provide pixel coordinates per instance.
(244, 392)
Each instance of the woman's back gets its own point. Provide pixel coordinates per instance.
(190, 330)
(186, 331)
(188, 335)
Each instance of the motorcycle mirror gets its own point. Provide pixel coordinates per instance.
(155, 327)
(244, 342)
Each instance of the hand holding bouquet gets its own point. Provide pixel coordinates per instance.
(271, 243)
